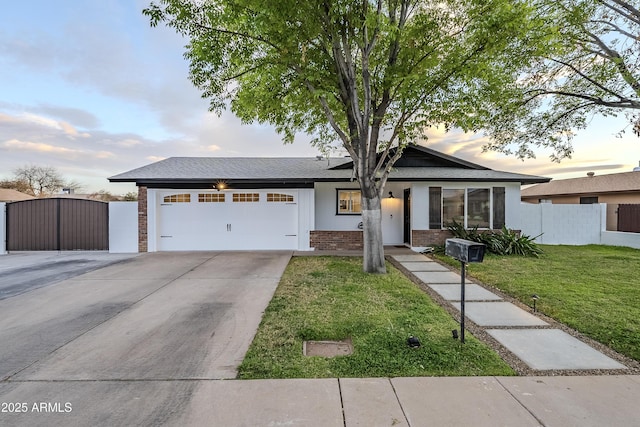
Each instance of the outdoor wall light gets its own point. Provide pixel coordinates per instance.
(391, 195)
(220, 185)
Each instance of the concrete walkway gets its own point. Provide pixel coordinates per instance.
(539, 345)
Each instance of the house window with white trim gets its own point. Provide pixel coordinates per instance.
(349, 202)
(483, 208)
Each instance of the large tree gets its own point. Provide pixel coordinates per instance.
(38, 181)
(592, 69)
(370, 75)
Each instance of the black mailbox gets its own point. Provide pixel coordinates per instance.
(465, 250)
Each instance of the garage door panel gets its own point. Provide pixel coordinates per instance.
(243, 220)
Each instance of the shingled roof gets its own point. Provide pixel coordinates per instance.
(419, 164)
(611, 183)
(10, 195)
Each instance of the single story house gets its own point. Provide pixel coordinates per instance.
(613, 189)
(215, 203)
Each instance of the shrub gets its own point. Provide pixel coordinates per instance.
(505, 242)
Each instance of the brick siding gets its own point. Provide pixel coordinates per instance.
(142, 219)
(438, 237)
(324, 240)
(429, 237)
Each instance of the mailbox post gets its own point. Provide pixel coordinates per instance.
(464, 251)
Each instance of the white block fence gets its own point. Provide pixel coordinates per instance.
(571, 225)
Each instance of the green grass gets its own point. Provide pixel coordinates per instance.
(593, 289)
(330, 298)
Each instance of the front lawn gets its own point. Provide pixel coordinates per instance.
(593, 289)
(330, 298)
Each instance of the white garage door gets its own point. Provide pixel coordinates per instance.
(227, 220)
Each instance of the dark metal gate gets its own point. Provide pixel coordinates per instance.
(57, 224)
(629, 218)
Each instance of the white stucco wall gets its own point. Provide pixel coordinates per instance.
(123, 227)
(3, 230)
(326, 217)
(306, 217)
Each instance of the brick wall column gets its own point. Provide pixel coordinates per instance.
(142, 219)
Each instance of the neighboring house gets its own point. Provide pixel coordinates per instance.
(10, 195)
(212, 203)
(613, 189)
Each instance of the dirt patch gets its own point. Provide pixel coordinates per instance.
(327, 348)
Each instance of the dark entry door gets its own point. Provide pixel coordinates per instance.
(407, 216)
(57, 224)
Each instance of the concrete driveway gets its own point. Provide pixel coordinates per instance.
(131, 342)
(22, 272)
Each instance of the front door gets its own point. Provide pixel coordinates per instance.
(407, 216)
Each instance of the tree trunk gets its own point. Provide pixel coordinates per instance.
(372, 235)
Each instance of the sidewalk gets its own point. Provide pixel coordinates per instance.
(430, 401)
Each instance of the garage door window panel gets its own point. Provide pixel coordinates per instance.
(211, 198)
(246, 197)
(278, 197)
(177, 198)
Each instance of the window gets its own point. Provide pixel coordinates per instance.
(470, 207)
(452, 206)
(478, 208)
(435, 208)
(588, 200)
(246, 197)
(177, 198)
(498, 207)
(211, 198)
(277, 197)
(349, 202)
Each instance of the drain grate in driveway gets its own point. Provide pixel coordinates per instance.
(327, 348)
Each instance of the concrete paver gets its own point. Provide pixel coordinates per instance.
(439, 277)
(583, 401)
(411, 258)
(472, 292)
(425, 266)
(499, 313)
(471, 401)
(545, 349)
(370, 402)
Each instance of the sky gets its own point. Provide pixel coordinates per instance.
(89, 88)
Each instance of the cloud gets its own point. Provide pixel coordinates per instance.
(36, 147)
(74, 116)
